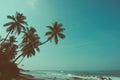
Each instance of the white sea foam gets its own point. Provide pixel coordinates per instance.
(62, 75)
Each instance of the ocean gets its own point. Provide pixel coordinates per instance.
(71, 75)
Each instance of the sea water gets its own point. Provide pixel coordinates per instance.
(69, 75)
(50, 74)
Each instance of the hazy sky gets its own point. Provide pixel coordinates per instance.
(92, 32)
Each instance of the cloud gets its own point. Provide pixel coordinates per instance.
(32, 3)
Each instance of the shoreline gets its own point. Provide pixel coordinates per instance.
(27, 77)
(70, 76)
(30, 77)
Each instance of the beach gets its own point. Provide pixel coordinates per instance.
(69, 75)
(27, 77)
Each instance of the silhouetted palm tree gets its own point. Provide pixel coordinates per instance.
(29, 43)
(25, 47)
(17, 24)
(55, 32)
(12, 48)
(8, 48)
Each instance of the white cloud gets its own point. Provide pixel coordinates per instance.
(32, 3)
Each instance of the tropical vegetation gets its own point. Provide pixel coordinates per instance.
(12, 48)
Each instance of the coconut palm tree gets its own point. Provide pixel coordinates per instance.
(8, 48)
(17, 24)
(29, 43)
(55, 32)
(12, 48)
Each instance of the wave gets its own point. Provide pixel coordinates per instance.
(71, 75)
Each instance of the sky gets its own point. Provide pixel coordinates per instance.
(92, 33)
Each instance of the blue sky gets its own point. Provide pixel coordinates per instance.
(92, 32)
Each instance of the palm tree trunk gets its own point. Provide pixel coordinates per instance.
(17, 58)
(44, 42)
(21, 60)
(6, 38)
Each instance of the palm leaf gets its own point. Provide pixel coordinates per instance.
(11, 17)
(61, 29)
(24, 22)
(18, 30)
(32, 29)
(55, 24)
(59, 25)
(62, 36)
(38, 49)
(50, 27)
(8, 24)
(24, 29)
(9, 29)
(56, 39)
(48, 33)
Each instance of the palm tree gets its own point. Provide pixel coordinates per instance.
(12, 48)
(55, 32)
(29, 43)
(8, 48)
(17, 24)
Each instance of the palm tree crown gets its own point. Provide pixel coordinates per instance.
(30, 42)
(8, 48)
(17, 24)
(55, 32)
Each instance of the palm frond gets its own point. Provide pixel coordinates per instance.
(61, 29)
(18, 30)
(24, 22)
(24, 29)
(59, 25)
(48, 33)
(11, 17)
(38, 49)
(8, 24)
(50, 27)
(9, 29)
(56, 39)
(55, 24)
(62, 36)
(32, 30)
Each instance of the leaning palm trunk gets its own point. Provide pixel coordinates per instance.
(17, 58)
(21, 60)
(6, 38)
(45, 41)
